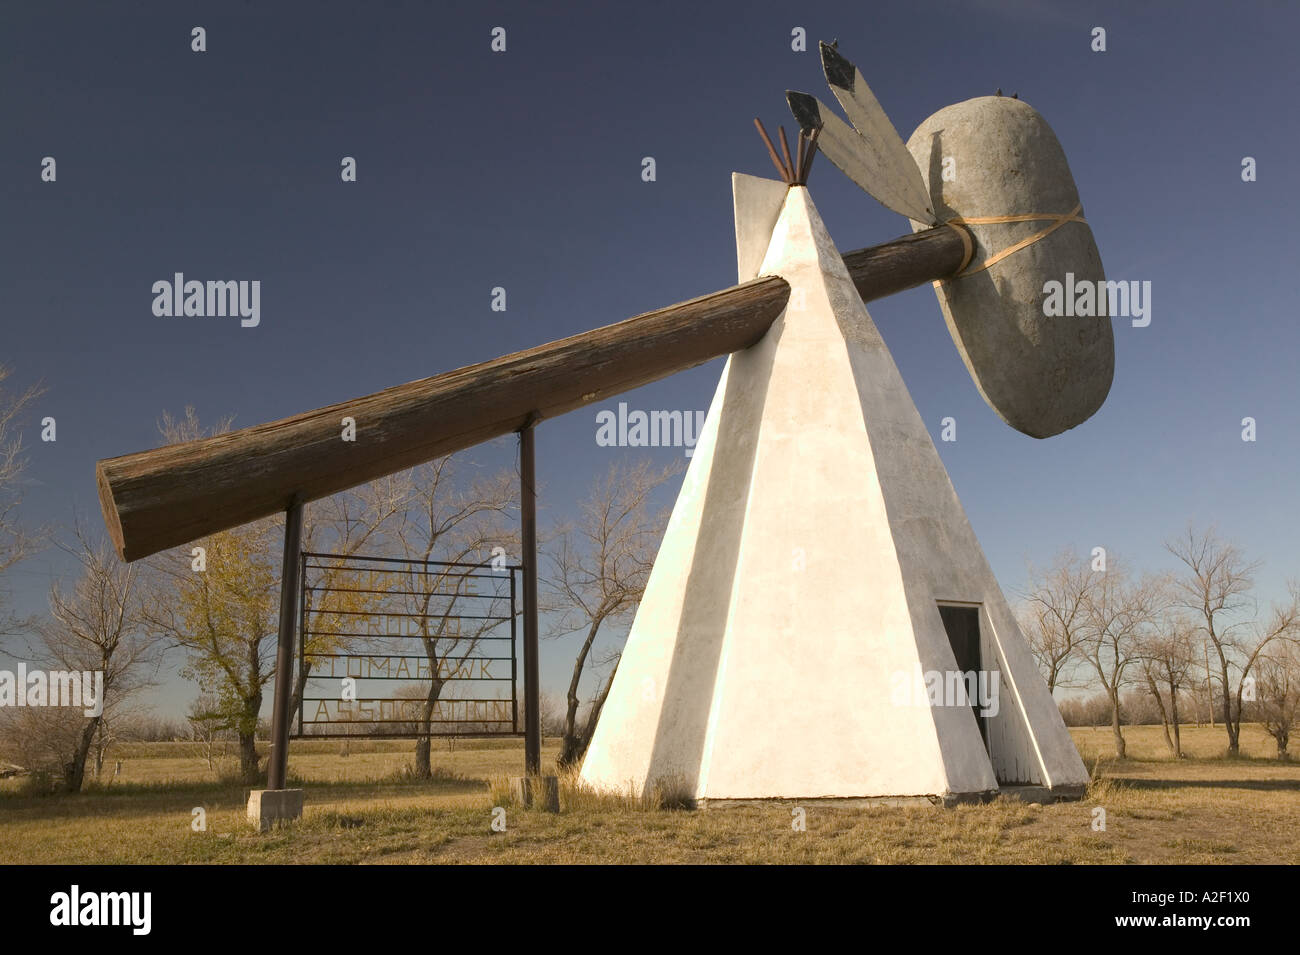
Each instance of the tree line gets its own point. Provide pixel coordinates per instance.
(1169, 641)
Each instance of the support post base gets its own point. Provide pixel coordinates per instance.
(542, 792)
(274, 807)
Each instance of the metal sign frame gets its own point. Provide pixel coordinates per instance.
(371, 728)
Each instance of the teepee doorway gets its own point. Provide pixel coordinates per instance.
(962, 623)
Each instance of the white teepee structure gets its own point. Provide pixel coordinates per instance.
(793, 615)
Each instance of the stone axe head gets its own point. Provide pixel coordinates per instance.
(992, 168)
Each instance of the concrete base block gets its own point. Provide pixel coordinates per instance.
(274, 807)
(542, 792)
(1044, 795)
(947, 801)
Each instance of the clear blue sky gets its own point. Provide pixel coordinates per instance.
(522, 169)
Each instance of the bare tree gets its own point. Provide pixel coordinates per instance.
(1216, 586)
(601, 567)
(208, 725)
(98, 627)
(455, 524)
(1119, 613)
(1168, 655)
(550, 715)
(1278, 692)
(1053, 614)
(1208, 682)
(17, 541)
(42, 740)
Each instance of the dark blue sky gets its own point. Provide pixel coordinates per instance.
(522, 169)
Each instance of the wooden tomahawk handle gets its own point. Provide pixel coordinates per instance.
(157, 499)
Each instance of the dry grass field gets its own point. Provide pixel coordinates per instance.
(363, 808)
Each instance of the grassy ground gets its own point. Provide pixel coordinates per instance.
(363, 807)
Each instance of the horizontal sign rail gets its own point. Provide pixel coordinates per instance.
(458, 647)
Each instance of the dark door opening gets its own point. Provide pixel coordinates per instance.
(963, 627)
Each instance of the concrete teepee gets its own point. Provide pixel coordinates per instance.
(819, 601)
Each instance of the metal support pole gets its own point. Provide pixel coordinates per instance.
(528, 513)
(514, 656)
(278, 763)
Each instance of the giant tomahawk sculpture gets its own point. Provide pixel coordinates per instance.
(818, 563)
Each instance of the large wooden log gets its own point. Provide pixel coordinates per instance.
(173, 495)
(157, 499)
(906, 263)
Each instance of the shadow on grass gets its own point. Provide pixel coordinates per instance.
(1110, 765)
(1259, 785)
(152, 796)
